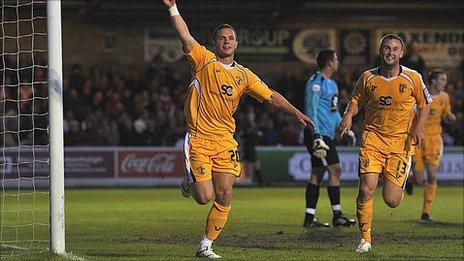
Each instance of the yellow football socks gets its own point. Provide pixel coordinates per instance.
(216, 220)
(364, 213)
(429, 196)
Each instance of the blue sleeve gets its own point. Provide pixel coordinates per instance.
(311, 102)
(339, 118)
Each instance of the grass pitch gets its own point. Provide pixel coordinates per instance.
(264, 223)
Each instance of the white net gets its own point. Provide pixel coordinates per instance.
(24, 166)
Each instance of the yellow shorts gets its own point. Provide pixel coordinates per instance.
(203, 156)
(393, 166)
(429, 152)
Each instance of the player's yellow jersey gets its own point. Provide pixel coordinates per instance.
(439, 108)
(389, 105)
(214, 94)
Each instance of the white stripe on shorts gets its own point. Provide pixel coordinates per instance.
(187, 166)
(408, 171)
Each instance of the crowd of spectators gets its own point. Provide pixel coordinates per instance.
(104, 106)
(23, 102)
(144, 107)
(108, 107)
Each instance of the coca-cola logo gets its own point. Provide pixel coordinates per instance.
(155, 163)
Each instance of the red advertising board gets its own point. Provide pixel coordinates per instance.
(150, 163)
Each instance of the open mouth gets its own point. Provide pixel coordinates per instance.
(389, 58)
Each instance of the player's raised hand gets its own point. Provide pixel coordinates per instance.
(169, 3)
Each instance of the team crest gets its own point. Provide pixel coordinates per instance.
(402, 87)
(238, 80)
(371, 86)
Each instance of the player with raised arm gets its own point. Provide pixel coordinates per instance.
(428, 155)
(211, 155)
(321, 104)
(389, 94)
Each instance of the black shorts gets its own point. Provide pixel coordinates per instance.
(332, 153)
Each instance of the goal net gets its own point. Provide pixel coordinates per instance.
(25, 208)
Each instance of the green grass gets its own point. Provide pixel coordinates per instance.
(264, 223)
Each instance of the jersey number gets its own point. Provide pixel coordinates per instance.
(234, 155)
(401, 169)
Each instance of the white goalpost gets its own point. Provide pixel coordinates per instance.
(31, 128)
(55, 87)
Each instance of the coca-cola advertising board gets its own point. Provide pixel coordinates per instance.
(150, 163)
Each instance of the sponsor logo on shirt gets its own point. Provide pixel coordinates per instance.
(227, 90)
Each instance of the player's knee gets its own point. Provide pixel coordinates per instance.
(365, 193)
(432, 180)
(204, 198)
(392, 202)
(317, 174)
(337, 171)
(315, 180)
(202, 201)
(224, 197)
(418, 176)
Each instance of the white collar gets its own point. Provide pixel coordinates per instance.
(227, 65)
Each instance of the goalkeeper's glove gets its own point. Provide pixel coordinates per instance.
(352, 137)
(320, 148)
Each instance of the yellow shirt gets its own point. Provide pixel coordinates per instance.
(389, 105)
(215, 92)
(439, 108)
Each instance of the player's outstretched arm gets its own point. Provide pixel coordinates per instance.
(280, 102)
(347, 120)
(181, 27)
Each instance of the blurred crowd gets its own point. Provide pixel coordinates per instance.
(110, 107)
(104, 106)
(23, 102)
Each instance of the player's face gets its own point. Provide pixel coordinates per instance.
(334, 63)
(391, 52)
(441, 81)
(226, 42)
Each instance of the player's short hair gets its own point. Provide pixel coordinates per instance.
(434, 73)
(324, 57)
(392, 37)
(222, 26)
